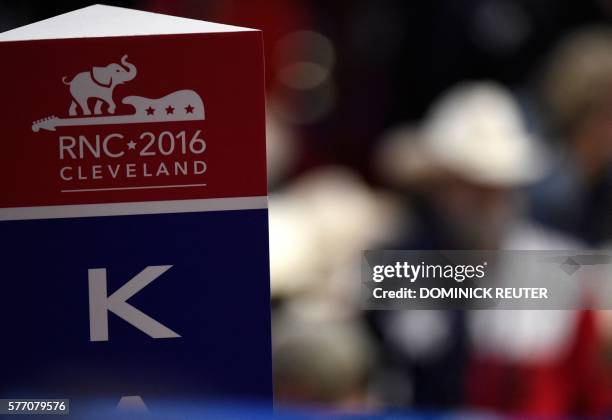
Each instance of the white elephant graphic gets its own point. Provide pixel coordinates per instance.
(98, 84)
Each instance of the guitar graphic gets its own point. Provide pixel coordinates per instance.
(182, 105)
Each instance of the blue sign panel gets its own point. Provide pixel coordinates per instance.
(211, 291)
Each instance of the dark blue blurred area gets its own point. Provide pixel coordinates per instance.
(226, 410)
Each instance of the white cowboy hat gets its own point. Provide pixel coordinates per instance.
(475, 131)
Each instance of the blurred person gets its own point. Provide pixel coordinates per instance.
(471, 158)
(468, 161)
(577, 196)
(321, 363)
(319, 223)
(577, 89)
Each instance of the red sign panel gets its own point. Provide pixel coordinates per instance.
(127, 119)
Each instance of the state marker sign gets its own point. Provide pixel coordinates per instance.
(133, 209)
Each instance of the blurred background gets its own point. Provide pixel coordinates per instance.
(481, 124)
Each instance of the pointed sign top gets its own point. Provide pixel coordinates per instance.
(109, 21)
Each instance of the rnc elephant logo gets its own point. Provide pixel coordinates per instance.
(95, 88)
(98, 84)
